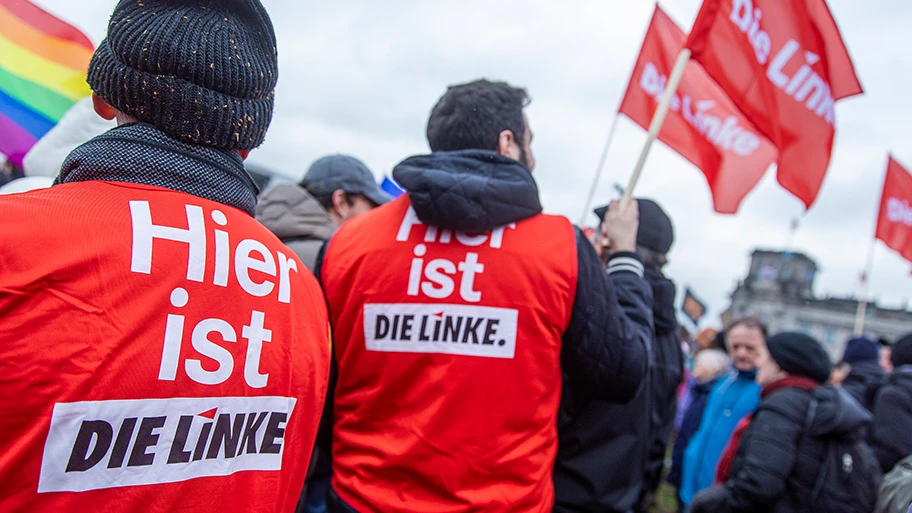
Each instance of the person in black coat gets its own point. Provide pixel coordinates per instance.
(778, 457)
(603, 459)
(666, 377)
(709, 366)
(892, 433)
(866, 376)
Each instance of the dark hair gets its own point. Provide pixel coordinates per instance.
(652, 259)
(472, 116)
(326, 201)
(749, 322)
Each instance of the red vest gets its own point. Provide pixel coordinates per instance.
(158, 352)
(448, 346)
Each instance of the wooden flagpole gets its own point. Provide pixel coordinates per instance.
(657, 120)
(599, 169)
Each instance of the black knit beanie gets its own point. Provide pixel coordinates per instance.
(655, 230)
(202, 71)
(800, 355)
(902, 352)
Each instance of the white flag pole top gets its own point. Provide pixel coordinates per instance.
(657, 120)
(862, 311)
(598, 171)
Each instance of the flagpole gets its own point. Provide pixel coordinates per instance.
(599, 169)
(862, 311)
(657, 120)
(790, 238)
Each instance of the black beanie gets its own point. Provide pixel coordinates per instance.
(656, 232)
(860, 349)
(202, 71)
(800, 355)
(902, 352)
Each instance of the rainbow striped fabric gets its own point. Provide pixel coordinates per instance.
(43, 63)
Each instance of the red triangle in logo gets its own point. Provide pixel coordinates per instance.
(209, 414)
(438, 314)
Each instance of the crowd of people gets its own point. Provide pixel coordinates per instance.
(174, 339)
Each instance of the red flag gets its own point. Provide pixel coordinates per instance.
(784, 65)
(703, 124)
(894, 223)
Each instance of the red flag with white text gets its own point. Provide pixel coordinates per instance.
(784, 64)
(894, 223)
(703, 125)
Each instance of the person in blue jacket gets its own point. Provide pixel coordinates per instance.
(732, 399)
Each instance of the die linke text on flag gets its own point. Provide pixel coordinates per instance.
(894, 223)
(703, 125)
(784, 65)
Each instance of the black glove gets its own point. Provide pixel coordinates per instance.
(713, 500)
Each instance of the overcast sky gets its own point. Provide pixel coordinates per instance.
(360, 77)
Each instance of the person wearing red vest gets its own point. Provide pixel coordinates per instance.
(160, 350)
(455, 309)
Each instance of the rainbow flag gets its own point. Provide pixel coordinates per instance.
(43, 63)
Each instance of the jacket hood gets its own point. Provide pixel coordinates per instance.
(289, 211)
(663, 302)
(837, 413)
(868, 369)
(468, 190)
(902, 377)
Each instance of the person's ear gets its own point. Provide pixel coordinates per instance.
(102, 108)
(340, 203)
(507, 145)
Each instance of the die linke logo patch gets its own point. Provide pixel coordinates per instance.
(441, 328)
(108, 444)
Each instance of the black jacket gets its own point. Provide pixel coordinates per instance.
(892, 429)
(781, 455)
(699, 395)
(668, 372)
(605, 347)
(605, 449)
(863, 382)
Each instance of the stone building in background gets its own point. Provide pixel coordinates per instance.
(779, 289)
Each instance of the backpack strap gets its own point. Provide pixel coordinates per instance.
(821, 477)
(811, 413)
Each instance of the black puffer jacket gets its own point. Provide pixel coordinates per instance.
(667, 374)
(609, 454)
(602, 452)
(892, 429)
(605, 347)
(863, 382)
(781, 455)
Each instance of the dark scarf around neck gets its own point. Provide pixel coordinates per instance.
(140, 153)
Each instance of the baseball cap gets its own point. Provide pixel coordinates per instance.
(334, 172)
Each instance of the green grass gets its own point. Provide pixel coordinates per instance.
(665, 501)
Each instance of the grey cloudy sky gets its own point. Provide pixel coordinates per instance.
(360, 77)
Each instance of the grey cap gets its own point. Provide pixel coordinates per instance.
(342, 172)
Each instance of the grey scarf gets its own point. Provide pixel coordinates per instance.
(140, 153)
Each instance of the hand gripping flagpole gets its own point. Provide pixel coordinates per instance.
(657, 120)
